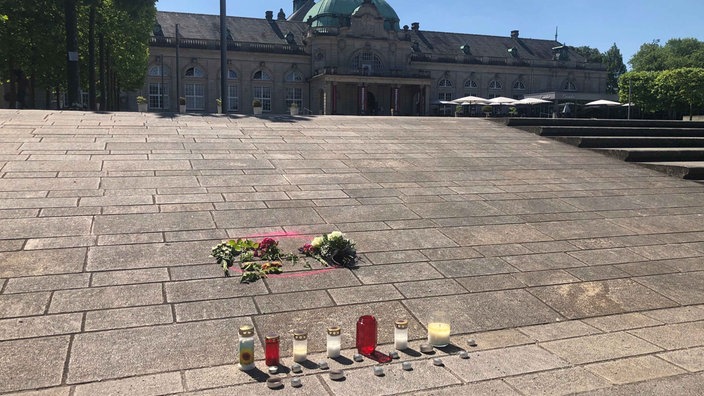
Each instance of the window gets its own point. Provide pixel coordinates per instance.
(445, 96)
(195, 72)
(495, 85)
(294, 95)
(293, 77)
(155, 71)
(367, 62)
(262, 75)
(195, 97)
(445, 83)
(263, 94)
(519, 86)
(233, 100)
(232, 75)
(471, 84)
(569, 86)
(158, 96)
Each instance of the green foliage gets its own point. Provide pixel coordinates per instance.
(141, 100)
(642, 89)
(593, 55)
(676, 53)
(681, 89)
(614, 67)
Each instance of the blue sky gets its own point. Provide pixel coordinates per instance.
(596, 23)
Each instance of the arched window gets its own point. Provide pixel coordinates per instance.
(232, 75)
(471, 84)
(293, 77)
(367, 63)
(519, 86)
(155, 71)
(445, 83)
(569, 86)
(495, 85)
(262, 75)
(233, 89)
(195, 71)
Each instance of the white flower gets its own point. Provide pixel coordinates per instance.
(317, 242)
(335, 234)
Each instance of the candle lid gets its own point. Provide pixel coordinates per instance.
(334, 331)
(300, 335)
(401, 324)
(272, 337)
(246, 331)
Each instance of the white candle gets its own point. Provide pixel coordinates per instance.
(438, 334)
(334, 342)
(300, 346)
(401, 335)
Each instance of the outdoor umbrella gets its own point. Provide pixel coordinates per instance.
(531, 101)
(470, 100)
(502, 100)
(603, 102)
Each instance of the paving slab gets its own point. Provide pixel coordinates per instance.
(19, 360)
(673, 385)
(635, 369)
(558, 382)
(599, 347)
(686, 289)
(24, 304)
(674, 336)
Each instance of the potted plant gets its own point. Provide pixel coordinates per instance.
(142, 104)
(487, 110)
(257, 106)
(218, 103)
(181, 105)
(294, 109)
(512, 111)
(458, 110)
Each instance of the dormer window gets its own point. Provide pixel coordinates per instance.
(290, 38)
(513, 51)
(415, 46)
(466, 49)
(157, 31)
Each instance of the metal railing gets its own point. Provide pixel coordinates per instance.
(498, 61)
(231, 45)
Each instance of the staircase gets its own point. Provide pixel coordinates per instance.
(672, 147)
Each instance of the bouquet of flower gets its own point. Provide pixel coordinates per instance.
(256, 260)
(332, 249)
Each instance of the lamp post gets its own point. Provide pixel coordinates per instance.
(223, 56)
(629, 99)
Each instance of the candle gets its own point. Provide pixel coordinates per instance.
(271, 352)
(366, 335)
(334, 342)
(439, 329)
(246, 348)
(300, 346)
(401, 334)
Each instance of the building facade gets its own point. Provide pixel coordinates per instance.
(350, 57)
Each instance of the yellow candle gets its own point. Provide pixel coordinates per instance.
(438, 334)
(300, 353)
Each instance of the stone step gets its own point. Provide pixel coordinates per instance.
(630, 141)
(585, 122)
(654, 154)
(620, 131)
(684, 170)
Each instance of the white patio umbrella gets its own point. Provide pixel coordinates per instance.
(502, 100)
(443, 102)
(532, 101)
(470, 100)
(603, 102)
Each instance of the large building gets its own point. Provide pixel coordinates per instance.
(351, 57)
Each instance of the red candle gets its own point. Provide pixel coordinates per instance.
(366, 335)
(271, 351)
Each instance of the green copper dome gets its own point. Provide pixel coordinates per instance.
(333, 13)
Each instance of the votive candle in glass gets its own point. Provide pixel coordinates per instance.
(366, 335)
(271, 351)
(334, 341)
(439, 329)
(300, 346)
(246, 347)
(401, 334)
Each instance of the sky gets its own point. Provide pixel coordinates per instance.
(594, 23)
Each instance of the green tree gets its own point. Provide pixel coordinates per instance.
(681, 89)
(614, 67)
(639, 88)
(593, 55)
(676, 53)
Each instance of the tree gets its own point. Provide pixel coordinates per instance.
(614, 67)
(675, 54)
(593, 55)
(639, 88)
(680, 89)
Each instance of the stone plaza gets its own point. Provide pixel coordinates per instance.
(573, 271)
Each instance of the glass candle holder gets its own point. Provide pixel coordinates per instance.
(334, 339)
(366, 335)
(401, 334)
(271, 351)
(300, 346)
(246, 347)
(439, 329)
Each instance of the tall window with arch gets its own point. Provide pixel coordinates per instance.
(445, 90)
(495, 88)
(294, 92)
(262, 87)
(157, 87)
(471, 88)
(194, 88)
(233, 98)
(367, 63)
